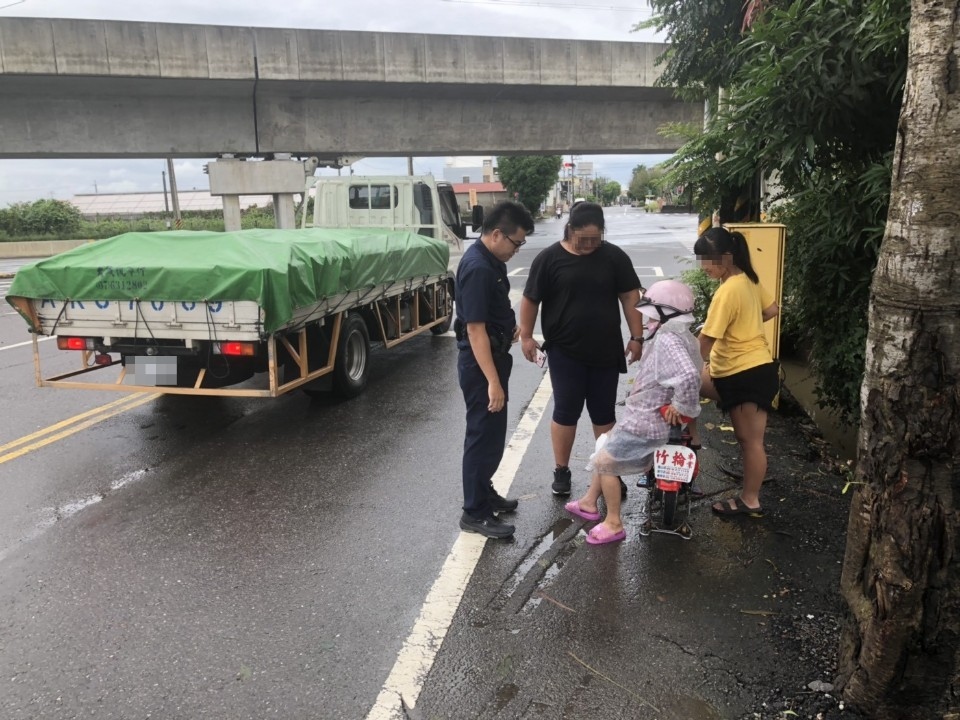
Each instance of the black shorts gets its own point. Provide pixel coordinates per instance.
(759, 385)
(575, 383)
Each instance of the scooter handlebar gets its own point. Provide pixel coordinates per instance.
(683, 418)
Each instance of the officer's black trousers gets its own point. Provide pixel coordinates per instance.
(486, 431)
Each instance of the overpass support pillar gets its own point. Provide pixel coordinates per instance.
(231, 212)
(284, 211)
(282, 178)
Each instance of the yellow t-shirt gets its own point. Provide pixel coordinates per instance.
(735, 319)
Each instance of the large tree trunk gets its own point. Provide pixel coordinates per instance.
(901, 576)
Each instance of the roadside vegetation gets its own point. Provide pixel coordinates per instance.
(810, 97)
(60, 220)
(529, 178)
(807, 94)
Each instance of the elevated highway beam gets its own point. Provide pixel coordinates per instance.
(90, 88)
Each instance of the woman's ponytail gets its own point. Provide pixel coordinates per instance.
(741, 255)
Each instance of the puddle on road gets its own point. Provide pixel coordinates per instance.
(535, 555)
(541, 564)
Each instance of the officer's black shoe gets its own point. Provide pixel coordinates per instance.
(489, 526)
(561, 481)
(500, 504)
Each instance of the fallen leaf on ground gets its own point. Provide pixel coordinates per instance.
(555, 602)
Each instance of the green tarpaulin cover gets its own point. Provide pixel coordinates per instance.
(279, 269)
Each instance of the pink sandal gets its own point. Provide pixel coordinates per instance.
(600, 535)
(573, 507)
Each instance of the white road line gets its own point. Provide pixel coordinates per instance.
(422, 644)
(28, 342)
(657, 270)
(515, 272)
(51, 515)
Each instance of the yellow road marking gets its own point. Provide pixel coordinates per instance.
(73, 425)
(69, 421)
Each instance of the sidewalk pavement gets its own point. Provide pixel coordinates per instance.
(742, 621)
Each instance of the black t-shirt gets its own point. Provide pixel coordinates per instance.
(483, 292)
(580, 304)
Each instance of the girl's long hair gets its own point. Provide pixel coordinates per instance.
(720, 241)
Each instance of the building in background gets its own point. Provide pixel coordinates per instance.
(488, 194)
(469, 170)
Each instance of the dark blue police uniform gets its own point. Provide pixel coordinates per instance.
(482, 295)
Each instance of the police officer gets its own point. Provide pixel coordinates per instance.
(486, 327)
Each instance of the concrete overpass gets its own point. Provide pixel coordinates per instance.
(94, 88)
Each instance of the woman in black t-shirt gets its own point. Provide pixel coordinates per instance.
(581, 283)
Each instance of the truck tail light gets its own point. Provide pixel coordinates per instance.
(238, 349)
(75, 343)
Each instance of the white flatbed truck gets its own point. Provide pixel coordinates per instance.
(201, 344)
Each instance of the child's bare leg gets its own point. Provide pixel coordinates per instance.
(694, 433)
(589, 500)
(610, 485)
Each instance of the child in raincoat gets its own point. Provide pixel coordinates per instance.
(668, 375)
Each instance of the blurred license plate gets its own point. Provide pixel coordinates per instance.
(155, 370)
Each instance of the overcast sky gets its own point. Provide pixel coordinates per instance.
(22, 180)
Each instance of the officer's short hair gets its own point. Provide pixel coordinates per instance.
(509, 216)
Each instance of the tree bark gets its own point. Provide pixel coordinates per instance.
(901, 576)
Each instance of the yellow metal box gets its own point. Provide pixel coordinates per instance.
(767, 243)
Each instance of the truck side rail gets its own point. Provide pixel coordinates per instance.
(396, 313)
(196, 320)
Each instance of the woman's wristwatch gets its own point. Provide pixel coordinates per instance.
(634, 338)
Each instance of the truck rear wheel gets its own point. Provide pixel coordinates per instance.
(445, 326)
(441, 328)
(351, 369)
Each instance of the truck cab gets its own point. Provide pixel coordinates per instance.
(417, 204)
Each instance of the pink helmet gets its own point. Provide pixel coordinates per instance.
(666, 299)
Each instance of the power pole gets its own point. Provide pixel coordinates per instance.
(177, 220)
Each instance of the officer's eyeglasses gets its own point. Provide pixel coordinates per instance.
(513, 242)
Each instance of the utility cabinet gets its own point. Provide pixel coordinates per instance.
(767, 243)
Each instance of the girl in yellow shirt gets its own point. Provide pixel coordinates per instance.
(740, 374)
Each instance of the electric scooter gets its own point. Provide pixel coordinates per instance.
(675, 466)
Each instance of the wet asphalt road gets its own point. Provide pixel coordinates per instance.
(230, 558)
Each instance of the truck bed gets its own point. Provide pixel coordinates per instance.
(191, 284)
